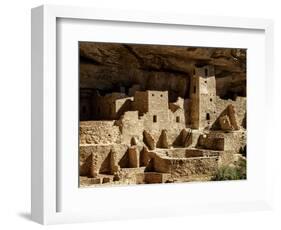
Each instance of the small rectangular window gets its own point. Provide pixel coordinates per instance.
(207, 116)
(178, 119)
(194, 89)
(154, 118)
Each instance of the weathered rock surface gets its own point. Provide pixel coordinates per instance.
(108, 66)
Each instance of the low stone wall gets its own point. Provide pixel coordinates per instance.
(131, 175)
(186, 167)
(179, 167)
(193, 153)
(99, 132)
(207, 141)
(154, 177)
(232, 140)
(189, 153)
(176, 152)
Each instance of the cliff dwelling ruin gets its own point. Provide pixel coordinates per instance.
(160, 114)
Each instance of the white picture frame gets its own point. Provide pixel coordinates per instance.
(47, 171)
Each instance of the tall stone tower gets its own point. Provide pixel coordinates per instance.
(203, 96)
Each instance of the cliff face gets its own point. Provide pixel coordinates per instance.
(107, 66)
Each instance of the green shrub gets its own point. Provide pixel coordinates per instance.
(235, 172)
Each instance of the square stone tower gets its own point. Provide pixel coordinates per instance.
(203, 96)
(151, 101)
(155, 106)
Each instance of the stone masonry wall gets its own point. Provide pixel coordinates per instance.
(140, 102)
(107, 107)
(131, 126)
(207, 141)
(101, 155)
(157, 117)
(158, 101)
(99, 132)
(239, 104)
(179, 167)
(232, 140)
(177, 119)
(122, 105)
(203, 96)
(207, 110)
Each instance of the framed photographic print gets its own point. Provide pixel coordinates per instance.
(140, 114)
(161, 114)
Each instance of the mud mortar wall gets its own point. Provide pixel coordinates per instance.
(99, 132)
(239, 106)
(101, 154)
(187, 166)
